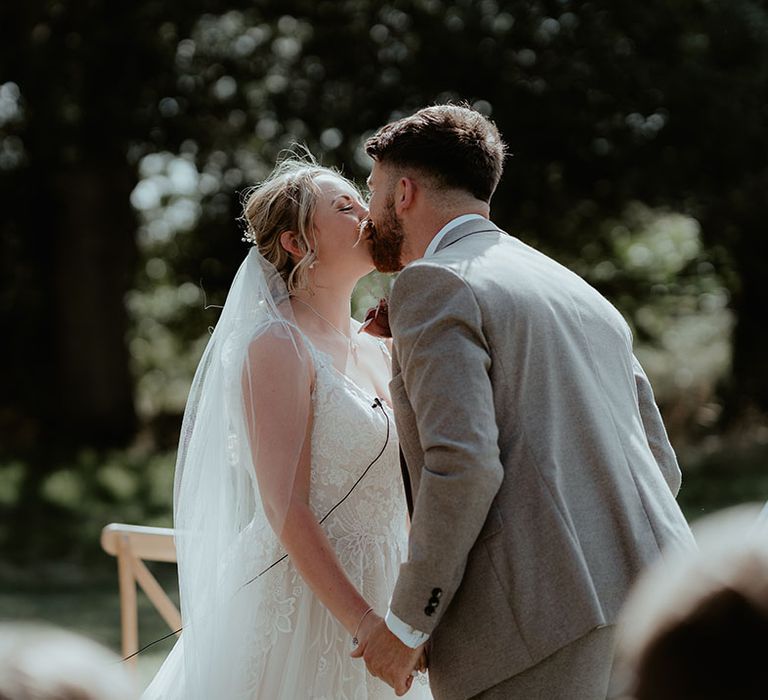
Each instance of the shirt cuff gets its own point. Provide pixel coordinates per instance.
(404, 632)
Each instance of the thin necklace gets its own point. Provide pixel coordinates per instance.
(352, 344)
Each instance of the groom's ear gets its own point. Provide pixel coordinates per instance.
(289, 242)
(405, 192)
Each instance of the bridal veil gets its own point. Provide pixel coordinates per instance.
(242, 439)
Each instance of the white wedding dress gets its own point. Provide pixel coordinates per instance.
(294, 648)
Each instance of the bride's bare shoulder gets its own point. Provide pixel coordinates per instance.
(279, 346)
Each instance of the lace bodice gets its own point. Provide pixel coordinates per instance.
(355, 462)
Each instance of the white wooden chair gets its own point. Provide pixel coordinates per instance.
(132, 545)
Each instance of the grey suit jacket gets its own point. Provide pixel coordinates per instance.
(542, 477)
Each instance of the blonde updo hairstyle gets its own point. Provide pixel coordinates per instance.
(286, 201)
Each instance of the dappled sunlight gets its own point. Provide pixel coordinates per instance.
(653, 264)
(12, 152)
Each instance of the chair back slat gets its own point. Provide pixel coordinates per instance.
(147, 543)
(133, 545)
(163, 604)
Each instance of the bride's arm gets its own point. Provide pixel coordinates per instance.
(277, 389)
(318, 565)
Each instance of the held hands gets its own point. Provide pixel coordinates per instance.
(386, 656)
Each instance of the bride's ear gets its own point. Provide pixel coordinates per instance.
(289, 242)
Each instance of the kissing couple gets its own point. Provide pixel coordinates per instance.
(474, 497)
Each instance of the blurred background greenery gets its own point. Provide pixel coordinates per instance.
(128, 132)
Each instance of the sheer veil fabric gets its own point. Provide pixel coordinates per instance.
(223, 535)
(252, 627)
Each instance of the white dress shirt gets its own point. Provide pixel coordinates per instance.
(402, 630)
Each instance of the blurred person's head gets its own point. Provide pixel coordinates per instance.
(44, 663)
(306, 219)
(428, 168)
(696, 624)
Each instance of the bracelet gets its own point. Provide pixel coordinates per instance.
(355, 640)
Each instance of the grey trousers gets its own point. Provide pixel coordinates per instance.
(579, 671)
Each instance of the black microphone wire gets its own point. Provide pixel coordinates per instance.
(376, 404)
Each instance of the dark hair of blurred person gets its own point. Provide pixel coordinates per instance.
(696, 624)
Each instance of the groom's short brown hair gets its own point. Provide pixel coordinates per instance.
(454, 144)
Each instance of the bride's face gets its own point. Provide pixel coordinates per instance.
(339, 213)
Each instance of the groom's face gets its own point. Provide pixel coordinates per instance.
(386, 234)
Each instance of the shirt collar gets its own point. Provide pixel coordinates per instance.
(452, 224)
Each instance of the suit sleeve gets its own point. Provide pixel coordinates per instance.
(655, 432)
(444, 362)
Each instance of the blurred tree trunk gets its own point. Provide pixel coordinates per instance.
(70, 229)
(94, 259)
(748, 386)
(68, 259)
(749, 379)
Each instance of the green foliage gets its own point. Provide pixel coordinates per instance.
(653, 264)
(594, 103)
(11, 476)
(603, 104)
(78, 497)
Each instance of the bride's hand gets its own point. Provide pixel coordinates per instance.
(423, 662)
(365, 628)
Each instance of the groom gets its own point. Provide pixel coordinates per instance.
(542, 478)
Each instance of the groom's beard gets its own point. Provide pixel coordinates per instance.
(386, 241)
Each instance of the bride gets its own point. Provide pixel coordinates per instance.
(289, 509)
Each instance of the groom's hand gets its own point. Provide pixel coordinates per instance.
(388, 658)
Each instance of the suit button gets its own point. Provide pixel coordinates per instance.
(429, 610)
(437, 592)
(434, 602)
